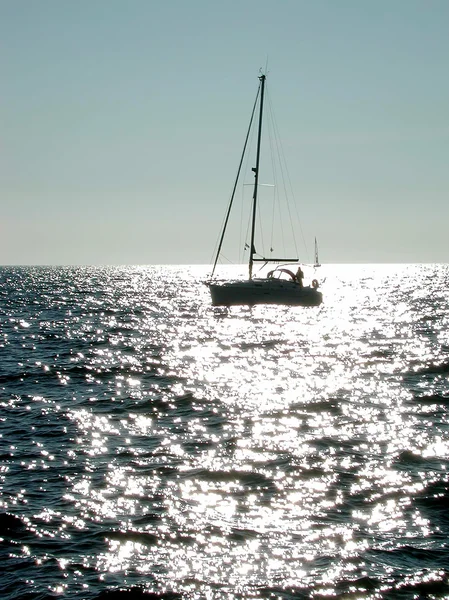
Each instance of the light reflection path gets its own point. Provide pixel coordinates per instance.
(255, 447)
(316, 408)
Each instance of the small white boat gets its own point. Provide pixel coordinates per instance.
(317, 261)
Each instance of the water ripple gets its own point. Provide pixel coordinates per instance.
(153, 446)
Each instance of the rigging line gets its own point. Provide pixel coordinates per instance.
(282, 167)
(286, 176)
(291, 189)
(243, 200)
(275, 200)
(244, 243)
(227, 259)
(247, 245)
(235, 184)
(241, 238)
(259, 216)
(280, 205)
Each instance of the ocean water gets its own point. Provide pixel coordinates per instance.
(153, 446)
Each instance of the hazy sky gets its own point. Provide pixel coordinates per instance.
(122, 124)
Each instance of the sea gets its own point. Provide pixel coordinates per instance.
(153, 446)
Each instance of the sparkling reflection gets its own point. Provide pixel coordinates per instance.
(226, 453)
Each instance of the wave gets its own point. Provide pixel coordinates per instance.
(247, 479)
(409, 459)
(435, 497)
(11, 524)
(129, 535)
(432, 399)
(431, 369)
(137, 593)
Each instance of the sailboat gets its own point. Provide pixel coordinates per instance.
(317, 261)
(281, 285)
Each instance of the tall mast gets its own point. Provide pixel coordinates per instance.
(256, 177)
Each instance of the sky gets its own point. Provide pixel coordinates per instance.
(122, 124)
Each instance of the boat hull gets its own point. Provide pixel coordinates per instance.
(263, 291)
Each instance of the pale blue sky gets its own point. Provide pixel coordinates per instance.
(122, 124)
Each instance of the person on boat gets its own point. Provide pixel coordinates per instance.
(299, 276)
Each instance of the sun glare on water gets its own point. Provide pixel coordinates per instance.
(234, 449)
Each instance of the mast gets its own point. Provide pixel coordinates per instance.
(256, 177)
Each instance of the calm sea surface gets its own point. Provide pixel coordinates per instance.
(152, 444)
